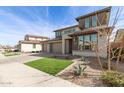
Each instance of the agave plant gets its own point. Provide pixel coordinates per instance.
(79, 70)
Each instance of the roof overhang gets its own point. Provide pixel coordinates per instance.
(107, 9)
(90, 31)
(30, 42)
(53, 40)
(69, 27)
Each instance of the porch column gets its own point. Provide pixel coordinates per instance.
(63, 46)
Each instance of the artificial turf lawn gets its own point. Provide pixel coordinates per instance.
(50, 65)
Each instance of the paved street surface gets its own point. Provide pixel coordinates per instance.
(14, 73)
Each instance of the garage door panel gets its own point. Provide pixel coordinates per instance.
(56, 47)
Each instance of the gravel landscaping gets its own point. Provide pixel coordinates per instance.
(91, 77)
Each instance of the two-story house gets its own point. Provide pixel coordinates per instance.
(80, 39)
(31, 43)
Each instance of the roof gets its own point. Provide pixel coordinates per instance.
(88, 31)
(28, 35)
(107, 9)
(66, 28)
(30, 42)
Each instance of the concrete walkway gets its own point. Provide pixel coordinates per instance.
(13, 73)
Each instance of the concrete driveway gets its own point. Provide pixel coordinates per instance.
(14, 73)
(20, 58)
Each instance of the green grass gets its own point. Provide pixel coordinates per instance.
(49, 65)
(11, 53)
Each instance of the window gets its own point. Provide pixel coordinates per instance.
(94, 21)
(34, 45)
(87, 23)
(94, 37)
(58, 34)
(85, 41)
(81, 38)
(69, 31)
(87, 38)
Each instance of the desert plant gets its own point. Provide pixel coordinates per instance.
(79, 69)
(113, 79)
(82, 58)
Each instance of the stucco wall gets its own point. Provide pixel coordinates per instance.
(29, 47)
(83, 53)
(102, 41)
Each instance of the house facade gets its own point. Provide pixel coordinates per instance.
(83, 39)
(119, 35)
(31, 43)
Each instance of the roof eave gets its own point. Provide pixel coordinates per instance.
(98, 11)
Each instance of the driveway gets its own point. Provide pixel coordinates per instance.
(20, 58)
(13, 73)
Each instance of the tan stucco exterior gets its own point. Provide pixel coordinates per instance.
(29, 47)
(70, 36)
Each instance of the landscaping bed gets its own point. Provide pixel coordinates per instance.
(113, 79)
(91, 76)
(50, 65)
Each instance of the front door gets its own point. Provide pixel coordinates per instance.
(68, 46)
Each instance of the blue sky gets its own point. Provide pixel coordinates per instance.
(15, 22)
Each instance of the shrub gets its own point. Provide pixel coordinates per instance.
(105, 66)
(113, 79)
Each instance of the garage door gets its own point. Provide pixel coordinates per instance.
(56, 47)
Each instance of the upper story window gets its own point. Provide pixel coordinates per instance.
(69, 31)
(87, 22)
(58, 34)
(94, 21)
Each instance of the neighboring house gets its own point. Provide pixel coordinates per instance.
(31, 43)
(1, 48)
(118, 43)
(119, 35)
(76, 40)
(119, 39)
